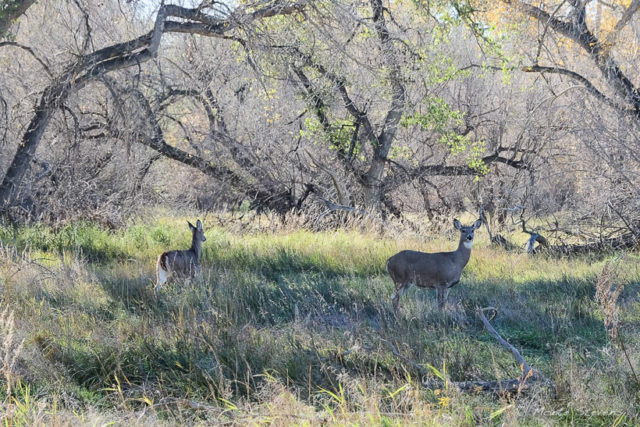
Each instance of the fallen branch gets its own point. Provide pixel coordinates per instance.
(333, 207)
(527, 371)
(625, 242)
(516, 385)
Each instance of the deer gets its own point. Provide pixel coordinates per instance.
(439, 270)
(181, 263)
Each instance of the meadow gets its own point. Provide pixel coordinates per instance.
(294, 327)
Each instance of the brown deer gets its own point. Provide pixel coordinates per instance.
(432, 270)
(184, 263)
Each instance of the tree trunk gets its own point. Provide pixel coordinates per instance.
(374, 177)
(11, 10)
(373, 181)
(53, 96)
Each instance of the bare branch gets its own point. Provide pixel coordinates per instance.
(334, 179)
(579, 78)
(121, 55)
(31, 52)
(610, 39)
(577, 31)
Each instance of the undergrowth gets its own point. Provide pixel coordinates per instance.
(292, 327)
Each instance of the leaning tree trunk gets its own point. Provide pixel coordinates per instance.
(53, 96)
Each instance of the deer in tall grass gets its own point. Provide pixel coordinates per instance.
(181, 263)
(439, 270)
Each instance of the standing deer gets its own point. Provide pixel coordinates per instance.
(431, 270)
(184, 263)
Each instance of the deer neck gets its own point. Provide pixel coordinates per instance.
(196, 246)
(464, 250)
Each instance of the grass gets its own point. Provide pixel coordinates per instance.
(290, 327)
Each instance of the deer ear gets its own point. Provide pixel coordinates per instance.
(457, 224)
(191, 225)
(477, 224)
(199, 225)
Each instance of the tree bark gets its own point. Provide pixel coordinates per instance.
(11, 10)
(374, 177)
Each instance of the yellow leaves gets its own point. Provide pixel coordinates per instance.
(444, 401)
(270, 108)
(495, 13)
(270, 94)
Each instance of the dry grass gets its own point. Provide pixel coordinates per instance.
(287, 326)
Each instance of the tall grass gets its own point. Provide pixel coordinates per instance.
(289, 326)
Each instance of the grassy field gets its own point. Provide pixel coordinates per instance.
(287, 326)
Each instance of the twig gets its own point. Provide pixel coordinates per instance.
(516, 385)
(527, 371)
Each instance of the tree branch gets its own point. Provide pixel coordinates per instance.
(31, 52)
(601, 56)
(579, 78)
(119, 56)
(610, 39)
(10, 11)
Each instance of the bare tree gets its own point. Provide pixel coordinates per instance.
(90, 65)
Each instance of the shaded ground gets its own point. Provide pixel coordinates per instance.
(252, 340)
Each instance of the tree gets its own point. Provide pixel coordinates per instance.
(370, 76)
(584, 53)
(91, 65)
(10, 11)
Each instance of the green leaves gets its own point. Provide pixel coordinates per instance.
(439, 116)
(339, 134)
(442, 120)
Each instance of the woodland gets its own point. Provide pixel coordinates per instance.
(523, 111)
(315, 139)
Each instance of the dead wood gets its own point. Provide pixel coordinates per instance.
(527, 371)
(500, 240)
(625, 242)
(516, 385)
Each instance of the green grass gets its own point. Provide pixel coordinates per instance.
(290, 326)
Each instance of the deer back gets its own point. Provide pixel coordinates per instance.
(180, 262)
(426, 269)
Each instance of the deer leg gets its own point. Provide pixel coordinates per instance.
(397, 294)
(442, 297)
(161, 277)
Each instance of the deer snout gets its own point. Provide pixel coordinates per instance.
(470, 237)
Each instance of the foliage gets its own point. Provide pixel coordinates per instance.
(441, 119)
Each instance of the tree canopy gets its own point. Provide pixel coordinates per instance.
(363, 107)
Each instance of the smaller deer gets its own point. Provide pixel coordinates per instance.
(440, 270)
(184, 263)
